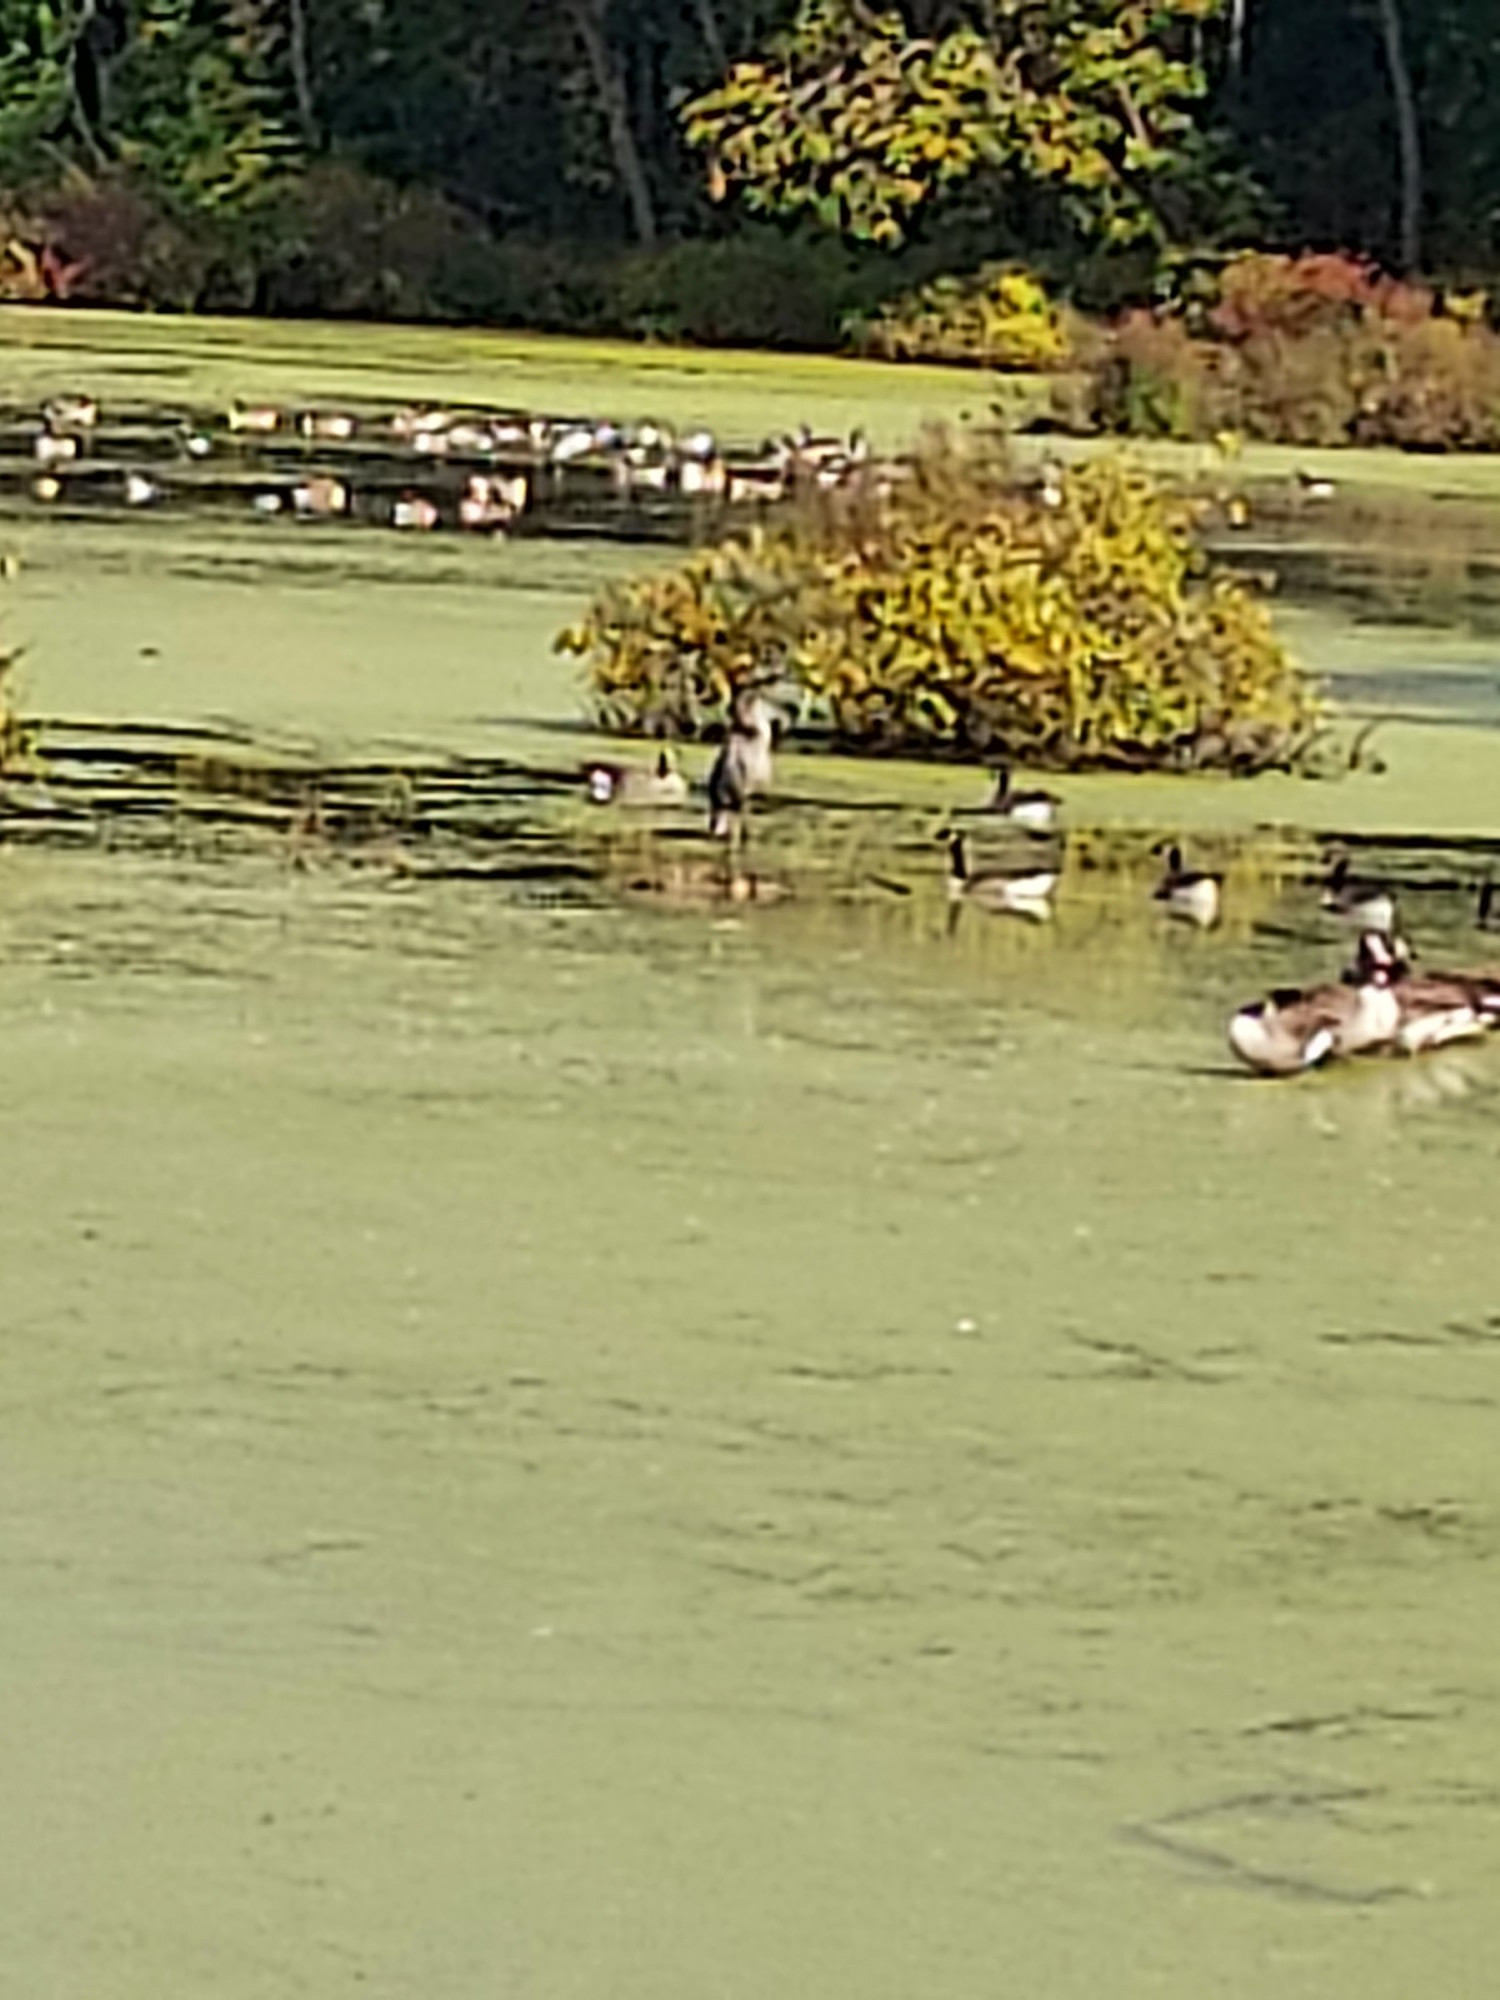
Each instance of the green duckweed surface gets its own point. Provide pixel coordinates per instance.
(568, 1443)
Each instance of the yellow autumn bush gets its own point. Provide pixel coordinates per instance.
(964, 615)
(998, 317)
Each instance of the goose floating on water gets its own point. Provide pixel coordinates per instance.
(1190, 894)
(1035, 810)
(1370, 905)
(660, 784)
(1017, 892)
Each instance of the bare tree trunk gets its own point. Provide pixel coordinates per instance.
(1237, 12)
(713, 36)
(588, 20)
(1408, 132)
(301, 69)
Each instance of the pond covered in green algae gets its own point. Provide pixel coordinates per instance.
(570, 1446)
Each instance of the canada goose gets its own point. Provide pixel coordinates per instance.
(1486, 916)
(1435, 1007)
(414, 510)
(697, 477)
(140, 491)
(757, 484)
(662, 784)
(743, 765)
(336, 425)
(494, 500)
(48, 449)
(1036, 810)
(1189, 893)
(1368, 904)
(71, 413)
(1315, 486)
(258, 418)
(321, 496)
(1018, 892)
(1297, 1028)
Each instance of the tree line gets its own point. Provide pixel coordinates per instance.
(1081, 133)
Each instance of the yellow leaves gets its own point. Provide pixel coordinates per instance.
(965, 614)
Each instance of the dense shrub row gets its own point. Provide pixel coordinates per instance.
(1317, 350)
(339, 243)
(963, 616)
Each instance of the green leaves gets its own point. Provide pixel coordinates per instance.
(851, 118)
(191, 110)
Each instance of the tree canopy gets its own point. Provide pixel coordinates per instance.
(980, 128)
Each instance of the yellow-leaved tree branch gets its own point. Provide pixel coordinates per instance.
(852, 118)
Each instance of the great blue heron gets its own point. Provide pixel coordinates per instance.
(743, 765)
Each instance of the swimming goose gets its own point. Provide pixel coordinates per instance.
(414, 510)
(257, 418)
(321, 496)
(1370, 905)
(1037, 811)
(71, 413)
(49, 449)
(1297, 1028)
(1189, 893)
(631, 785)
(1017, 892)
(335, 425)
(743, 765)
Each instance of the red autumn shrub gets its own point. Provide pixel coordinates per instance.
(1314, 350)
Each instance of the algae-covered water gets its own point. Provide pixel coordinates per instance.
(557, 1444)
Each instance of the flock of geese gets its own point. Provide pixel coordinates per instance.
(1381, 1003)
(507, 459)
